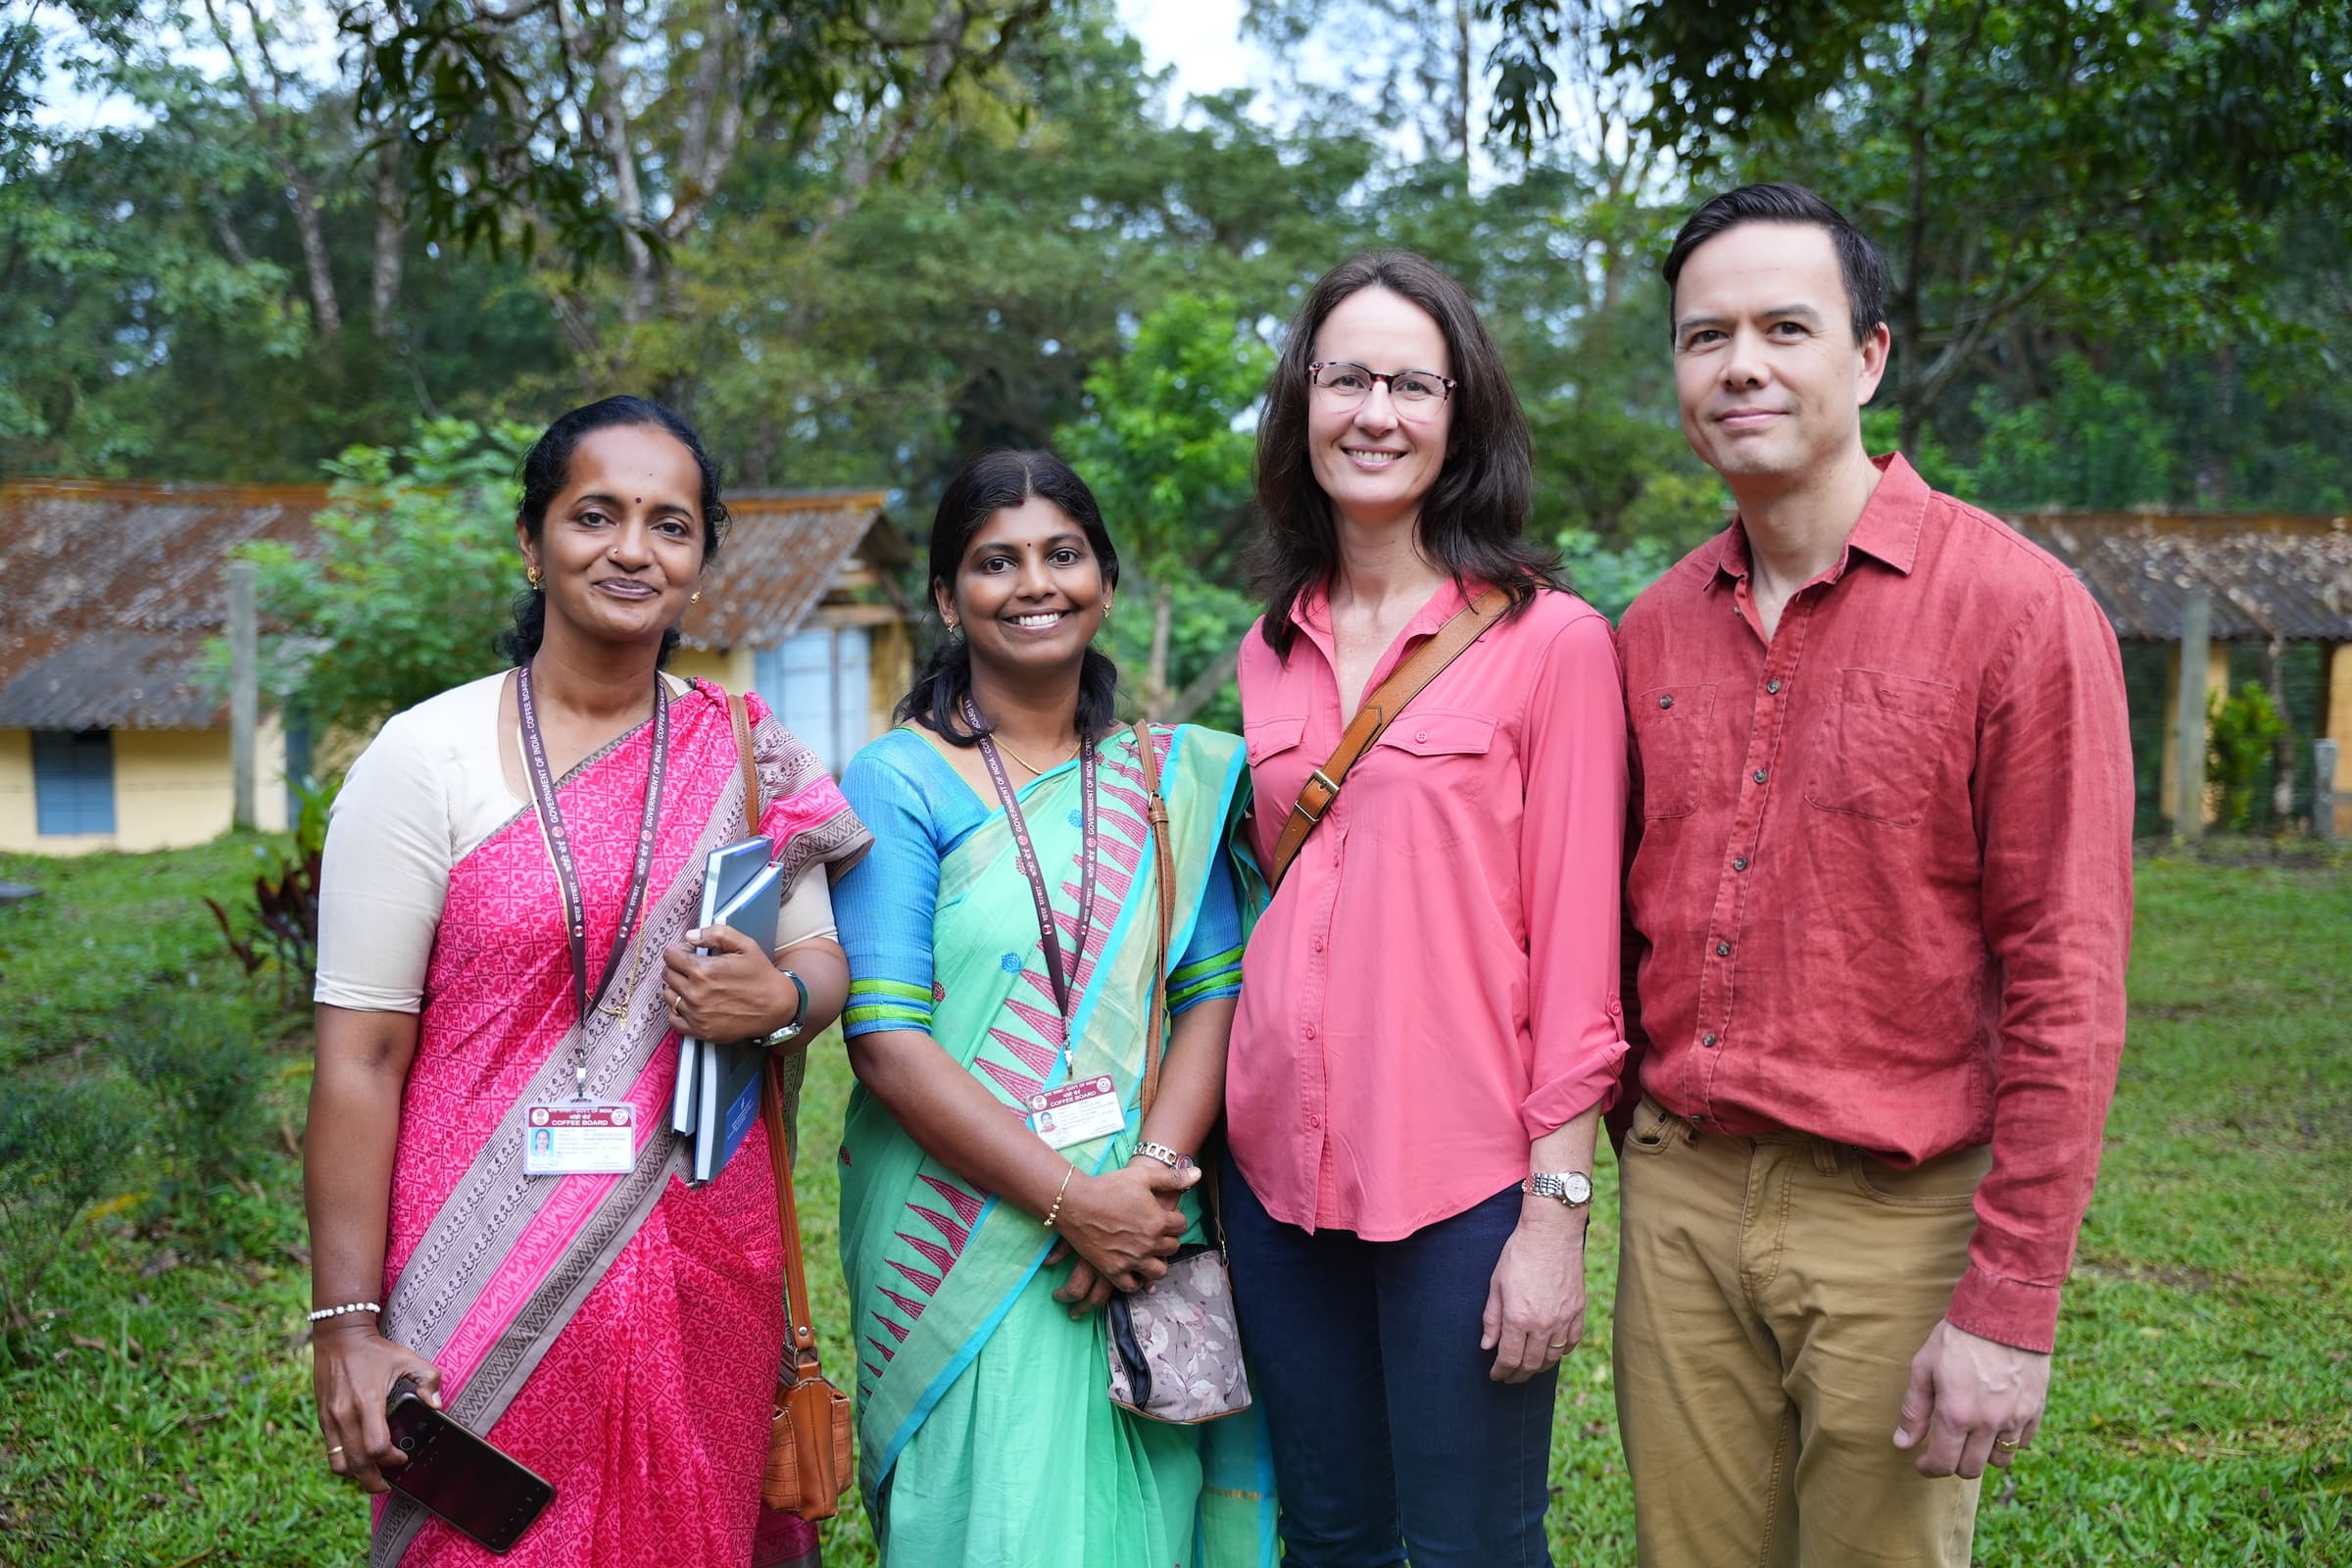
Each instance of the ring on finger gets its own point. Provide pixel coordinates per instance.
(2007, 1445)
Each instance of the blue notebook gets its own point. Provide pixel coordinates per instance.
(727, 1078)
(725, 874)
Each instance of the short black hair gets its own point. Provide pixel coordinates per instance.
(1858, 260)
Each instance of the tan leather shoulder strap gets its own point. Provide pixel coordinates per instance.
(788, 1210)
(1163, 856)
(1403, 684)
(742, 717)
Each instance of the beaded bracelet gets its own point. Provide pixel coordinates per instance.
(1056, 1210)
(325, 1312)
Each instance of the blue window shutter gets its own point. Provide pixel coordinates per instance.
(74, 781)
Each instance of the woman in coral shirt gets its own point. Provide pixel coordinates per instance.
(1429, 1026)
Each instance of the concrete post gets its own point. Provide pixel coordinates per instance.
(2189, 808)
(2322, 788)
(244, 693)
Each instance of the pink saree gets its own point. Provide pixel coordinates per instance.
(620, 1335)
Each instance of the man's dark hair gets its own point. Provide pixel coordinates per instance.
(1858, 260)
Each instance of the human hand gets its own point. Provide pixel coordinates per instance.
(1086, 1291)
(353, 1368)
(1536, 1302)
(1969, 1396)
(1126, 1224)
(733, 993)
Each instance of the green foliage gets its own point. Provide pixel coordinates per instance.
(201, 1059)
(2095, 442)
(415, 579)
(1168, 452)
(285, 904)
(1610, 579)
(2241, 736)
(62, 1146)
(107, 929)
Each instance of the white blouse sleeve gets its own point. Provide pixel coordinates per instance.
(385, 876)
(807, 913)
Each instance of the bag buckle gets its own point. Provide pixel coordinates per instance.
(1314, 810)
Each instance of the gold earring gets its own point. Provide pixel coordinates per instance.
(531, 575)
(694, 598)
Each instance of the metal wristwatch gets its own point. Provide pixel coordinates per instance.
(1572, 1187)
(792, 1030)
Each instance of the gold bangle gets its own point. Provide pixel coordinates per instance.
(1056, 1210)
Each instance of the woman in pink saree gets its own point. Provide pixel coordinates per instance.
(512, 872)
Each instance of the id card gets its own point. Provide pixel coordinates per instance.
(1076, 1113)
(579, 1137)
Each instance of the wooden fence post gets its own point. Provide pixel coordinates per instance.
(2197, 622)
(244, 693)
(2322, 788)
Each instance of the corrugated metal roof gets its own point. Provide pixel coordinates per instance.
(781, 554)
(108, 591)
(2288, 578)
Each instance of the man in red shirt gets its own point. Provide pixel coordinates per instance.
(1878, 904)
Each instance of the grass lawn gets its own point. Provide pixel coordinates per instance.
(2201, 1412)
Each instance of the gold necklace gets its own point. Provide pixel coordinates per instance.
(1035, 771)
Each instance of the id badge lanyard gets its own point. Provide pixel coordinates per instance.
(1063, 972)
(551, 817)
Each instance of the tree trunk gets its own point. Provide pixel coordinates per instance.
(1155, 668)
(1461, 88)
(325, 314)
(1201, 688)
(2282, 750)
(391, 240)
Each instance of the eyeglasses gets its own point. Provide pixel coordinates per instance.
(1347, 384)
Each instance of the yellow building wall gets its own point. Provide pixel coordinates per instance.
(730, 667)
(172, 788)
(2338, 727)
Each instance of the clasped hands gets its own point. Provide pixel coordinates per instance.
(1122, 1226)
(734, 992)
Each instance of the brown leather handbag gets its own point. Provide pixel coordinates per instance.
(809, 1464)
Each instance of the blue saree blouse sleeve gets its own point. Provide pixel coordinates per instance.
(1210, 966)
(886, 904)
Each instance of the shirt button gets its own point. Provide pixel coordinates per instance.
(1773, 685)
(1706, 1039)
(1420, 734)
(1739, 863)
(1313, 1120)
(1723, 950)
(1666, 702)
(1761, 776)
(1310, 1031)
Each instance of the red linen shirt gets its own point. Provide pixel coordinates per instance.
(1880, 883)
(1434, 984)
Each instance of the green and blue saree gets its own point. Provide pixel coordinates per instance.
(985, 1432)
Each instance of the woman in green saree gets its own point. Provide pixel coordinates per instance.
(997, 1182)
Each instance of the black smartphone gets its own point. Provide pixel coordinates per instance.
(459, 1476)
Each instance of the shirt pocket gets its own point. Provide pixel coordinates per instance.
(1269, 736)
(1670, 742)
(1427, 797)
(1881, 746)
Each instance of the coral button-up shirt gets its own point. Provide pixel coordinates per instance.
(1882, 890)
(1434, 984)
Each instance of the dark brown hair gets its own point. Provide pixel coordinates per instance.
(1473, 519)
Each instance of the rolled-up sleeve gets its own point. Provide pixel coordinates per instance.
(2055, 793)
(1572, 838)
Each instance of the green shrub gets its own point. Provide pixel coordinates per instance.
(62, 1146)
(2241, 734)
(203, 1058)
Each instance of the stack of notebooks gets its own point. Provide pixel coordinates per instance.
(719, 1084)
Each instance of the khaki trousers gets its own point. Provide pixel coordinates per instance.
(1770, 1292)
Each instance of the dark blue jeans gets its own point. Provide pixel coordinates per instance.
(1390, 1442)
